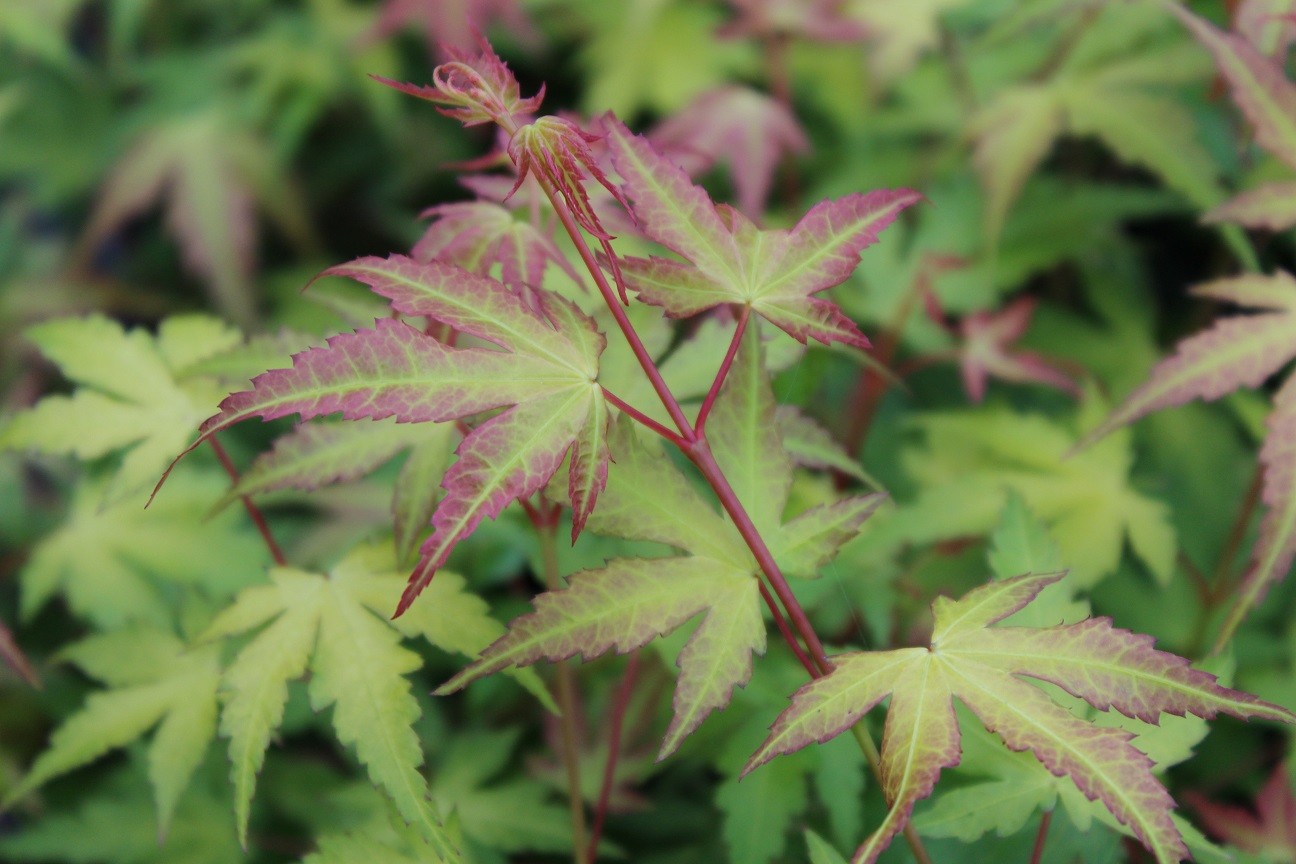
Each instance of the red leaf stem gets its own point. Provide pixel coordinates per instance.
(253, 511)
(723, 372)
(624, 691)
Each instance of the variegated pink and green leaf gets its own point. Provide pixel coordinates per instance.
(776, 273)
(1239, 351)
(631, 601)
(1268, 99)
(544, 378)
(984, 667)
(1259, 87)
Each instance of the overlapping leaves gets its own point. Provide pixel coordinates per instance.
(544, 377)
(630, 601)
(983, 667)
(1240, 351)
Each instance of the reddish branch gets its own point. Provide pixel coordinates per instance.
(253, 511)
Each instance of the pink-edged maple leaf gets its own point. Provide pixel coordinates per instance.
(985, 349)
(630, 601)
(1268, 100)
(983, 667)
(1268, 830)
(481, 235)
(776, 273)
(544, 377)
(1239, 351)
(740, 126)
(451, 24)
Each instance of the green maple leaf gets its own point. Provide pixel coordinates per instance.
(510, 815)
(135, 394)
(654, 54)
(122, 563)
(1111, 85)
(155, 681)
(112, 825)
(335, 627)
(971, 458)
(983, 667)
(630, 601)
(212, 175)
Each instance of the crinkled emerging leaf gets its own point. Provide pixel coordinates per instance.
(156, 682)
(1239, 351)
(335, 627)
(747, 129)
(546, 372)
(776, 272)
(134, 394)
(984, 667)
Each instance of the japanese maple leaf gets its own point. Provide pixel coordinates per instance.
(136, 394)
(630, 601)
(738, 125)
(1268, 99)
(775, 273)
(1108, 88)
(986, 349)
(1239, 351)
(335, 626)
(983, 667)
(544, 377)
(154, 681)
(212, 178)
(1269, 830)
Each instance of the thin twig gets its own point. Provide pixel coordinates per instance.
(1037, 851)
(253, 511)
(642, 418)
(725, 365)
(624, 691)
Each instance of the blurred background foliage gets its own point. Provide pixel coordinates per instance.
(169, 156)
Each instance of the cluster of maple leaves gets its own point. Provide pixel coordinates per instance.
(550, 393)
